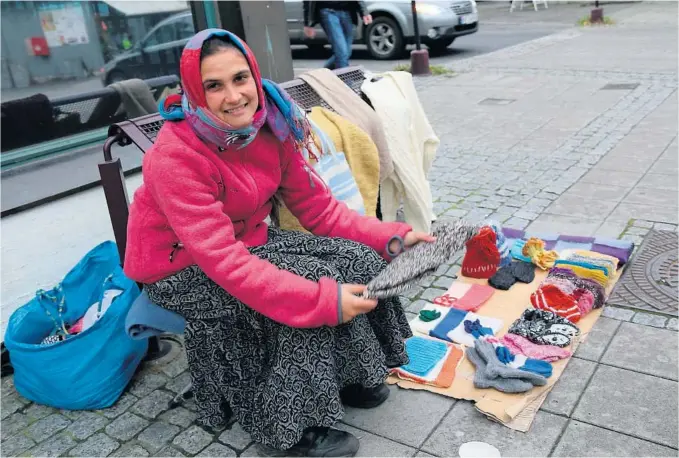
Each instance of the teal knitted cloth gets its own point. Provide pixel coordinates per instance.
(424, 354)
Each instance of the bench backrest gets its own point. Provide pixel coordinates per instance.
(143, 131)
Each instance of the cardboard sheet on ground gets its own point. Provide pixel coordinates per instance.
(516, 411)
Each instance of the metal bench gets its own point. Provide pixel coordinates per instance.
(142, 132)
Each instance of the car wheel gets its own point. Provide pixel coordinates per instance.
(115, 77)
(439, 46)
(384, 38)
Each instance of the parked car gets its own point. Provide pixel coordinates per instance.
(440, 23)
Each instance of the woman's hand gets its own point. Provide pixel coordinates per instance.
(310, 32)
(352, 305)
(367, 19)
(411, 239)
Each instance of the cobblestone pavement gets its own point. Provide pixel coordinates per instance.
(541, 136)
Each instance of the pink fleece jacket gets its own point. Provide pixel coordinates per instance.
(200, 206)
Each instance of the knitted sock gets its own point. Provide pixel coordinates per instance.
(503, 278)
(494, 368)
(535, 250)
(523, 271)
(429, 315)
(476, 329)
(544, 328)
(553, 299)
(519, 345)
(482, 256)
(474, 298)
(423, 259)
(452, 319)
(482, 380)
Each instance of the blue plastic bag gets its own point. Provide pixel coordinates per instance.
(88, 370)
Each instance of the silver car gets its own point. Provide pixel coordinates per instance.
(440, 22)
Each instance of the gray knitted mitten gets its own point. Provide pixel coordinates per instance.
(407, 269)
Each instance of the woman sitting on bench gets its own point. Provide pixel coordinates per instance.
(275, 325)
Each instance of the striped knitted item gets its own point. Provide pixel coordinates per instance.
(583, 297)
(552, 299)
(441, 375)
(420, 261)
(502, 244)
(584, 270)
(593, 287)
(519, 345)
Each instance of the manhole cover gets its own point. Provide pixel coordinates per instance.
(491, 101)
(620, 86)
(650, 281)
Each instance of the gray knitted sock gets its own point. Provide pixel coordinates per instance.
(482, 380)
(421, 260)
(495, 368)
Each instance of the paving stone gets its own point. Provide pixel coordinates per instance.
(673, 324)
(178, 383)
(56, 446)
(617, 313)
(562, 398)
(42, 429)
(10, 404)
(157, 435)
(466, 424)
(153, 404)
(7, 385)
(527, 215)
(372, 445)
(169, 452)
(129, 450)
(193, 440)
(423, 411)
(124, 402)
(251, 451)
(87, 424)
(217, 450)
(126, 426)
(631, 403)
(644, 349)
(430, 293)
(97, 445)
(38, 411)
(147, 382)
(177, 365)
(413, 292)
(581, 439)
(16, 444)
(517, 223)
(13, 424)
(71, 414)
(597, 339)
(648, 319)
(179, 416)
(443, 282)
(424, 454)
(236, 437)
(416, 306)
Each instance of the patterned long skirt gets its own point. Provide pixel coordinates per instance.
(277, 379)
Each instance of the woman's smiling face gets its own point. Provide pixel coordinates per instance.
(230, 89)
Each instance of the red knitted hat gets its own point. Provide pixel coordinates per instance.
(551, 298)
(482, 257)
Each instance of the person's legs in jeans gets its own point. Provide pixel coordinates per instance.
(335, 25)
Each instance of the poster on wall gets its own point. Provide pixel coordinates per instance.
(63, 24)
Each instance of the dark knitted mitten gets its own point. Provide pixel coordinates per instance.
(523, 271)
(503, 278)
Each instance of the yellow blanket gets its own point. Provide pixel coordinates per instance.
(361, 154)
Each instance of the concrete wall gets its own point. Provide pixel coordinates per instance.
(21, 20)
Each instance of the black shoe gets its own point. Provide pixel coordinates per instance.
(318, 442)
(364, 398)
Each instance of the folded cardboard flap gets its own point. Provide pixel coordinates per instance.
(516, 411)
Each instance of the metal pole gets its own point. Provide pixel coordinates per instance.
(416, 26)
